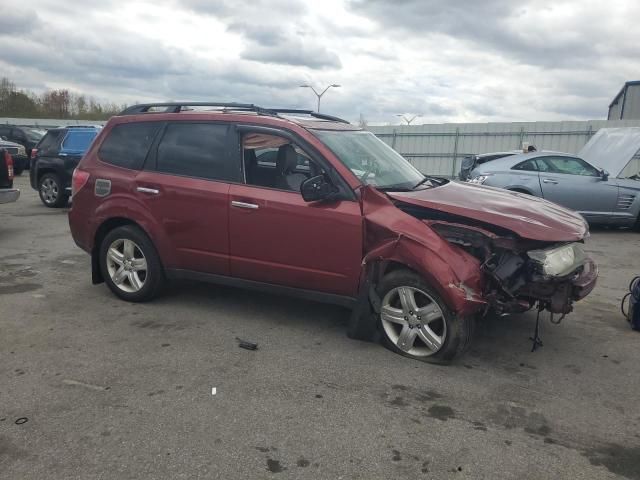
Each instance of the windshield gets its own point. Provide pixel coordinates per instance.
(371, 160)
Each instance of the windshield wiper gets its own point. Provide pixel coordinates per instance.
(394, 188)
(425, 179)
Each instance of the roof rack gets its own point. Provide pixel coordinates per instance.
(177, 107)
(311, 113)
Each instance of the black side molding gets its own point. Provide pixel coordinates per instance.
(179, 274)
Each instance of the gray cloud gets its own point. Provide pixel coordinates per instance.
(449, 61)
(285, 40)
(509, 28)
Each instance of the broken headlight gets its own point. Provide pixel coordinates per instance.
(559, 261)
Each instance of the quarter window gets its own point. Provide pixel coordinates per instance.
(127, 144)
(197, 150)
(528, 165)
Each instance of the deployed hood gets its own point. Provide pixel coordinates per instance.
(527, 216)
(612, 148)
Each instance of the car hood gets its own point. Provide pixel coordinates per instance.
(529, 217)
(612, 148)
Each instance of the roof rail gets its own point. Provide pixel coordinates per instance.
(176, 107)
(311, 113)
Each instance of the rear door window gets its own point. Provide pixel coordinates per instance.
(127, 144)
(78, 141)
(201, 150)
(528, 165)
(49, 143)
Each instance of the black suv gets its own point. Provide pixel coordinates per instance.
(28, 137)
(53, 160)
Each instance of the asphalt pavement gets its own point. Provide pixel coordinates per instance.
(92, 387)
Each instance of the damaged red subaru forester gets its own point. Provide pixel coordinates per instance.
(300, 203)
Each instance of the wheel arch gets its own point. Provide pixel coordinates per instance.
(42, 171)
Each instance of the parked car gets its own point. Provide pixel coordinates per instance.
(19, 155)
(567, 180)
(7, 192)
(53, 160)
(471, 161)
(180, 195)
(28, 137)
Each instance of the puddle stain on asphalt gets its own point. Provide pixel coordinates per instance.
(10, 276)
(19, 288)
(274, 466)
(441, 412)
(624, 461)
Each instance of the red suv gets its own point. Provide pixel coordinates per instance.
(304, 204)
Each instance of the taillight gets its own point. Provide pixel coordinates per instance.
(79, 180)
(8, 160)
(34, 152)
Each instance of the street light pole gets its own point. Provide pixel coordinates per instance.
(319, 95)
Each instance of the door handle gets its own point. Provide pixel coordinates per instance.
(548, 180)
(249, 206)
(153, 191)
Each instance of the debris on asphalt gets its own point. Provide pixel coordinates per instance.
(21, 420)
(214, 390)
(246, 344)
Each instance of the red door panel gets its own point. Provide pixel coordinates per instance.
(194, 214)
(277, 237)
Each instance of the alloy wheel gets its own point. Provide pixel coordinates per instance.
(413, 321)
(50, 190)
(127, 265)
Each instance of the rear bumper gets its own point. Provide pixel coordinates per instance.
(8, 195)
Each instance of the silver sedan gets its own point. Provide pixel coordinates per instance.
(569, 181)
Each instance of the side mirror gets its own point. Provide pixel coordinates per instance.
(315, 188)
(604, 174)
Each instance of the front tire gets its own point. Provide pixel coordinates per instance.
(52, 193)
(130, 265)
(416, 323)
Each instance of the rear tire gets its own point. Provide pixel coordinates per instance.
(18, 169)
(51, 191)
(429, 331)
(130, 264)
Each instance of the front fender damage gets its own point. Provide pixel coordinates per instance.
(475, 267)
(392, 238)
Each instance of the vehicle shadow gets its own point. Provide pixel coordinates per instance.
(498, 340)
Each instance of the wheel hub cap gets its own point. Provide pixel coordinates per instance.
(127, 265)
(413, 321)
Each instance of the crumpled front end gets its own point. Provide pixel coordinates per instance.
(475, 266)
(520, 273)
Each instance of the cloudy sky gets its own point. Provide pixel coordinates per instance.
(451, 61)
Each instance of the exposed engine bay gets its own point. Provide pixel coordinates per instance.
(518, 273)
